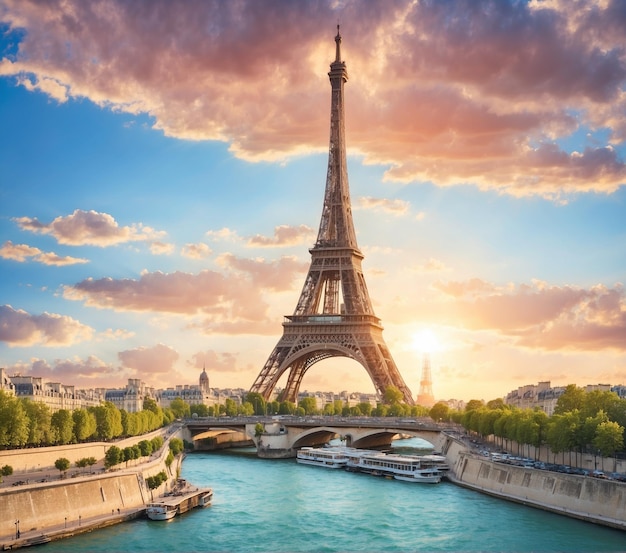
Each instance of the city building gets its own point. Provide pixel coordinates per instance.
(543, 396)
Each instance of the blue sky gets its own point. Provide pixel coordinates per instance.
(162, 170)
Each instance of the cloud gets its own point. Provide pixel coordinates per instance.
(395, 207)
(196, 251)
(19, 328)
(214, 361)
(88, 228)
(486, 92)
(22, 252)
(284, 235)
(150, 363)
(161, 248)
(82, 373)
(541, 316)
(233, 301)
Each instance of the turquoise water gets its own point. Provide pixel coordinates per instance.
(280, 506)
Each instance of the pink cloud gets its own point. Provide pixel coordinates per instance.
(88, 228)
(394, 207)
(469, 91)
(542, 316)
(284, 235)
(82, 373)
(19, 328)
(149, 363)
(234, 300)
(22, 252)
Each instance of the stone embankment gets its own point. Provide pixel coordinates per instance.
(583, 497)
(42, 511)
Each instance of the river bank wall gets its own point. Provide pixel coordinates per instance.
(583, 497)
(62, 508)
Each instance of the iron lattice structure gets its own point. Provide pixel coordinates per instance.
(334, 315)
(425, 397)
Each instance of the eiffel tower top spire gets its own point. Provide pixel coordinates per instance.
(336, 227)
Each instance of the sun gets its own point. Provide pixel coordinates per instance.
(426, 341)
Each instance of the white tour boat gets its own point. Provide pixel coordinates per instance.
(161, 511)
(400, 467)
(329, 457)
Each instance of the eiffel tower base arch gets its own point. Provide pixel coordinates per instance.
(308, 340)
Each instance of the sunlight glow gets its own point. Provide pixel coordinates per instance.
(426, 341)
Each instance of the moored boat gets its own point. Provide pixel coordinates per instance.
(400, 467)
(161, 511)
(328, 457)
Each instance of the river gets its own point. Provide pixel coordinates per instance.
(281, 506)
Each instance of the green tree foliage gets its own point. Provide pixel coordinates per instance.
(199, 409)
(176, 446)
(570, 400)
(609, 438)
(153, 482)
(286, 408)
(62, 426)
(439, 412)
(180, 408)
(113, 456)
(145, 447)
(392, 395)
(309, 404)
(473, 404)
(62, 464)
(6, 470)
(258, 402)
(39, 418)
(84, 424)
(230, 407)
(14, 427)
(259, 429)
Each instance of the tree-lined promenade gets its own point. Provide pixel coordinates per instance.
(585, 422)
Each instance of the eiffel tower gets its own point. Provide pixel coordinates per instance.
(425, 397)
(334, 316)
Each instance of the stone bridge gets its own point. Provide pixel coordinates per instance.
(281, 437)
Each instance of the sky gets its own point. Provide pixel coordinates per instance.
(163, 164)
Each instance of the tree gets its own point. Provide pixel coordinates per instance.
(39, 422)
(258, 402)
(392, 395)
(439, 412)
(62, 464)
(571, 399)
(14, 424)
(113, 456)
(609, 438)
(145, 446)
(84, 424)
(230, 406)
(309, 404)
(199, 409)
(473, 404)
(62, 425)
(259, 429)
(176, 446)
(180, 408)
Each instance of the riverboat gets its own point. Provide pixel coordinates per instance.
(399, 467)
(438, 462)
(328, 457)
(183, 499)
(161, 511)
